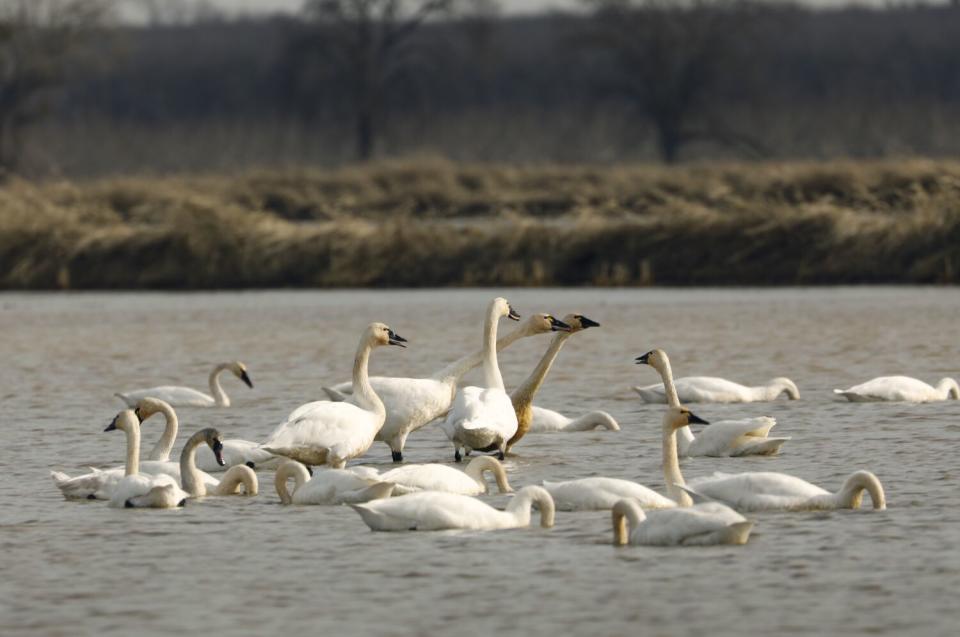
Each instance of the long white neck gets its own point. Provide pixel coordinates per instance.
(161, 450)
(591, 421)
(850, 495)
(133, 448)
(236, 476)
(216, 390)
(456, 370)
(289, 469)
(684, 434)
(623, 511)
(519, 506)
(523, 395)
(671, 467)
(480, 464)
(190, 478)
(491, 368)
(948, 388)
(363, 394)
(775, 387)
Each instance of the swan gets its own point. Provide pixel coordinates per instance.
(439, 477)
(235, 477)
(237, 452)
(483, 417)
(743, 437)
(411, 403)
(137, 490)
(708, 389)
(901, 388)
(435, 510)
(327, 486)
(522, 396)
(187, 397)
(549, 421)
(332, 433)
(699, 525)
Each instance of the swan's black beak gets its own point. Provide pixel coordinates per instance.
(512, 314)
(694, 419)
(556, 325)
(246, 379)
(645, 359)
(585, 322)
(113, 423)
(218, 452)
(396, 339)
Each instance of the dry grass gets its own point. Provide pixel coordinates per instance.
(432, 223)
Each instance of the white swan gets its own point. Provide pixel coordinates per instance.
(483, 417)
(411, 403)
(137, 490)
(700, 525)
(327, 486)
(708, 389)
(332, 433)
(235, 477)
(901, 388)
(743, 437)
(439, 477)
(548, 421)
(434, 511)
(185, 396)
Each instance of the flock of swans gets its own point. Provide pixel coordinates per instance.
(327, 434)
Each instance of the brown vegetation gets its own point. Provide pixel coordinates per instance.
(432, 223)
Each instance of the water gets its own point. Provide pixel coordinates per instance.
(251, 566)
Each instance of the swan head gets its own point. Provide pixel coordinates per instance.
(504, 308)
(381, 334)
(539, 323)
(126, 420)
(679, 417)
(147, 407)
(240, 371)
(655, 358)
(578, 322)
(212, 437)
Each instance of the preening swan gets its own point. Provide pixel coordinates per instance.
(411, 403)
(483, 417)
(743, 437)
(699, 525)
(327, 486)
(434, 511)
(901, 388)
(192, 480)
(332, 433)
(185, 396)
(440, 477)
(136, 490)
(549, 421)
(708, 389)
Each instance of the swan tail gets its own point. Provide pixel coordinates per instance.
(378, 491)
(738, 533)
(78, 488)
(696, 496)
(126, 401)
(762, 447)
(650, 396)
(334, 395)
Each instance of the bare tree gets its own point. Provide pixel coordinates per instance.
(668, 59)
(36, 38)
(367, 42)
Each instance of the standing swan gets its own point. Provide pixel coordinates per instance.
(440, 477)
(744, 437)
(708, 389)
(138, 490)
(700, 525)
(332, 433)
(483, 417)
(435, 511)
(327, 486)
(233, 479)
(186, 397)
(901, 388)
(411, 403)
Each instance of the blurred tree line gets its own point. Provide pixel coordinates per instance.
(83, 92)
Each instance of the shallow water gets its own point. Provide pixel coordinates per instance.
(250, 566)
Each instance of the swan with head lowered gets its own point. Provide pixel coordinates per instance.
(326, 486)
(547, 421)
(185, 396)
(235, 477)
(435, 511)
(411, 403)
(334, 432)
(483, 417)
(709, 389)
(439, 477)
(901, 388)
(742, 437)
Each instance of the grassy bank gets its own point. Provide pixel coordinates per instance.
(432, 223)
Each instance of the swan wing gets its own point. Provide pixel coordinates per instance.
(145, 490)
(759, 490)
(172, 469)
(342, 428)
(599, 493)
(890, 388)
(432, 477)
(410, 403)
(175, 395)
(430, 511)
(725, 437)
(485, 408)
(701, 524)
(710, 389)
(96, 485)
(547, 421)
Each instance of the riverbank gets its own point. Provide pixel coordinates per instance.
(433, 223)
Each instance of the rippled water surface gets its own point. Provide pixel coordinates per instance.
(251, 566)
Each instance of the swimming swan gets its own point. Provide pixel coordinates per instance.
(699, 525)
(138, 490)
(901, 388)
(708, 389)
(435, 511)
(187, 397)
(411, 403)
(440, 477)
(743, 437)
(235, 477)
(332, 433)
(327, 486)
(483, 417)
(548, 421)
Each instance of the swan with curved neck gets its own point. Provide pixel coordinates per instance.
(743, 437)
(332, 433)
(326, 486)
(236, 477)
(483, 417)
(178, 396)
(137, 490)
(709, 389)
(902, 389)
(701, 525)
(547, 421)
(439, 477)
(435, 511)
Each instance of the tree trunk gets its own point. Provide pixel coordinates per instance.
(364, 134)
(669, 141)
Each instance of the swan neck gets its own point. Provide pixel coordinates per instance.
(236, 476)
(773, 389)
(948, 389)
(133, 450)
(521, 504)
(594, 419)
(523, 395)
(481, 464)
(624, 512)
(219, 396)
(190, 478)
(161, 450)
(850, 495)
(669, 388)
(363, 394)
(671, 468)
(290, 468)
(491, 369)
